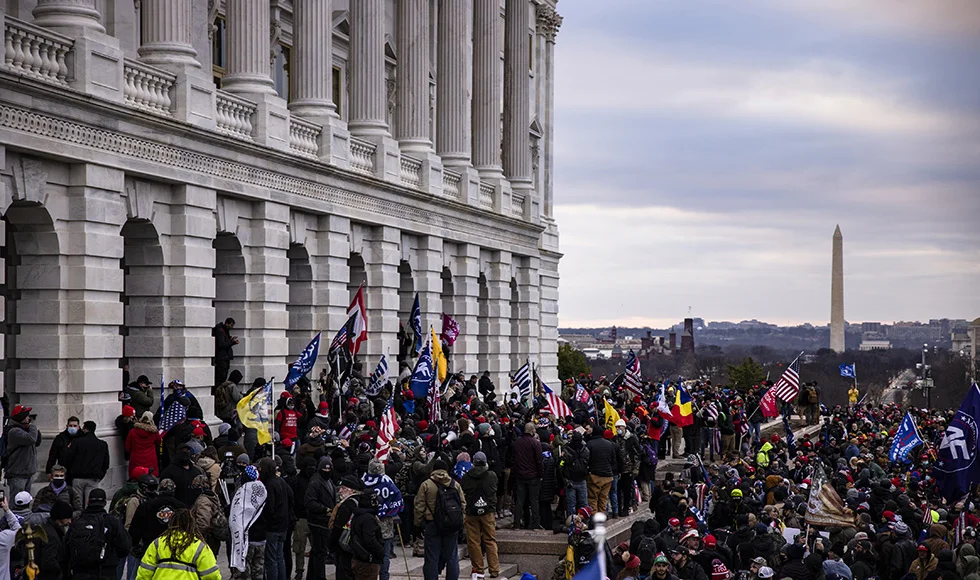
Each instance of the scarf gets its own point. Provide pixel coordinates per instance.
(246, 507)
(59, 488)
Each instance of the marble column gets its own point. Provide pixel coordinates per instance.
(412, 81)
(428, 280)
(249, 46)
(331, 270)
(528, 307)
(381, 259)
(499, 313)
(548, 315)
(312, 64)
(68, 15)
(453, 82)
(367, 68)
(166, 26)
(466, 282)
(549, 22)
(486, 88)
(267, 266)
(517, 104)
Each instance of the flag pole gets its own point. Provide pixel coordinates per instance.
(272, 418)
(599, 520)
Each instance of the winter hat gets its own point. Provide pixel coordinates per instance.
(251, 473)
(243, 458)
(146, 417)
(607, 434)
(325, 462)
(423, 425)
(167, 485)
(96, 497)
(480, 458)
(633, 563)
(719, 571)
(376, 467)
(483, 428)
(128, 411)
(223, 428)
(195, 447)
(322, 409)
(901, 528)
(61, 510)
(23, 499)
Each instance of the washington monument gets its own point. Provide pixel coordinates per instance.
(837, 294)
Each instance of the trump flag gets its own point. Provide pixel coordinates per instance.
(304, 363)
(906, 439)
(957, 468)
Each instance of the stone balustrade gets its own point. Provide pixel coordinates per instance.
(517, 205)
(233, 115)
(486, 195)
(362, 156)
(303, 137)
(411, 171)
(148, 88)
(36, 52)
(450, 183)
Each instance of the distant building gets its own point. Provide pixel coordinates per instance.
(870, 327)
(875, 344)
(687, 337)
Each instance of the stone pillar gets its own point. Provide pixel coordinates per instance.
(428, 281)
(68, 16)
(517, 104)
(486, 88)
(250, 70)
(167, 33)
(548, 315)
(466, 283)
(368, 95)
(412, 122)
(549, 22)
(189, 259)
(331, 270)
(529, 308)
(313, 77)
(453, 84)
(265, 245)
(499, 293)
(381, 258)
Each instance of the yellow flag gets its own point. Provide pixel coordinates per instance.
(254, 412)
(611, 416)
(438, 357)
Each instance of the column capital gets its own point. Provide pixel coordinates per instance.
(548, 21)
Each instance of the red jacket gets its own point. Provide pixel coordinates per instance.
(141, 446)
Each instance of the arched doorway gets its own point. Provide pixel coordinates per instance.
(483, 324)
(516, 356)
(301, 307)
(231, 293)
(144, 315)
(406, 300)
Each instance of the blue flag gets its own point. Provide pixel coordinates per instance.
(957, 469)
(906, 439)
(790, 437)
(423, 375)
(415, 321)
(596, 569)
(848, 370)
(304, 363)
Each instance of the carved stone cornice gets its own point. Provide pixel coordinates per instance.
(549, 21)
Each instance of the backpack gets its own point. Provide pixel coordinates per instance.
(479, 505)
(575, 467)
(448, 512)
(222, 397)
(811, 396)
(86, 541)
(647, 551)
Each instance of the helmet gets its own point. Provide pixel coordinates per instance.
(737, 493)
(148, 483)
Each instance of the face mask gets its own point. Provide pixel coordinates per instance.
(73, 430)
(58, 480)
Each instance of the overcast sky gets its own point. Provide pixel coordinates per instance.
(706, 149)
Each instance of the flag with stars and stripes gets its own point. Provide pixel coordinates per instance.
(632, 379)
(787, 388)
(711, 410)
(522, 381)
(435, 404)
(347, 431)
(389, 424)
(174, 414)
(555, 405)
(378, 379)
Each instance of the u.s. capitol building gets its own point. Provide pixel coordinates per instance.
(170, 163)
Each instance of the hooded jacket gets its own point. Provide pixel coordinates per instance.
(141, 445)
(967, 563)
(365, 528)
(425, 500)
(921, 569)
(762, 458)
(22, 444)
(937, 539)
(477, 481)
(320, 499)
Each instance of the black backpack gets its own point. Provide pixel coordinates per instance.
(86, 542)
(479, 505)
(574, 464)
(647, 551)
(448, 513)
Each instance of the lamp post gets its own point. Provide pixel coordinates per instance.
(926, 379)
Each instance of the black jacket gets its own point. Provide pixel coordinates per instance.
(366, 538)
(477, 481)
(300, 484)
(222, 343)
(344, 513)
(51, 556)
(117, 545)
(319, 500)
(528, 463)
(278, 511)
(152, 519)
(182, 479)
(602, 457)
(59, 450)
(87, 458)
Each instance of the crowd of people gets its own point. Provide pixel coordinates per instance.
(334, 483)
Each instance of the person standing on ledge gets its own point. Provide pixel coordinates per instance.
(224, 344)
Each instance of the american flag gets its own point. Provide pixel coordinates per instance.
(631, 376)
(435, 404)
(358, 312)
(522, 381)
(712, 410)
(926, 514)
(715, 440)
(787, 388)
(743, 425)
(555, 404)
(701, 496)
(174, 414)
(389, 424)
(662, 407)
(379, 378)
(960, 527)
(347, 431)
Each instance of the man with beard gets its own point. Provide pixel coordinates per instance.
(687, 569)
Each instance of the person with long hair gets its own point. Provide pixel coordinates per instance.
(179, 553)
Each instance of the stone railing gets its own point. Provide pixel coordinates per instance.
(517, 206)
(450, 183)
(411, 171)
(362, 156)
(233, 115)
(36, 52)
(303, 137)
(148, 88)
(486, 195)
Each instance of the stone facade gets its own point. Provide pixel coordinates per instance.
(159, 175)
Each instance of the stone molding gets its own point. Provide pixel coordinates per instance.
(101, 139)
(548, 21)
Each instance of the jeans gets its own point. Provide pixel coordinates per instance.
(613, 508)
(275, 564)
(132, 566)
(16, 485)
(318, 553)
(576, 496)
(756, 430)
(528, 491)
(440, 552)
(386, 561)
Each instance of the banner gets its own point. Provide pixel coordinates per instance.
(304, 363)
(957, 469)
(450, 329)
(825, 507)
(906, 439)
(423, 375)
(415, 321)
(768, 404)
(254, 411)
(246, 507)
(849, 370)
(611, 416)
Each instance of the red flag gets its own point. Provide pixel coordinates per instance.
(359, 331)
(450, 329)
(768, 404)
